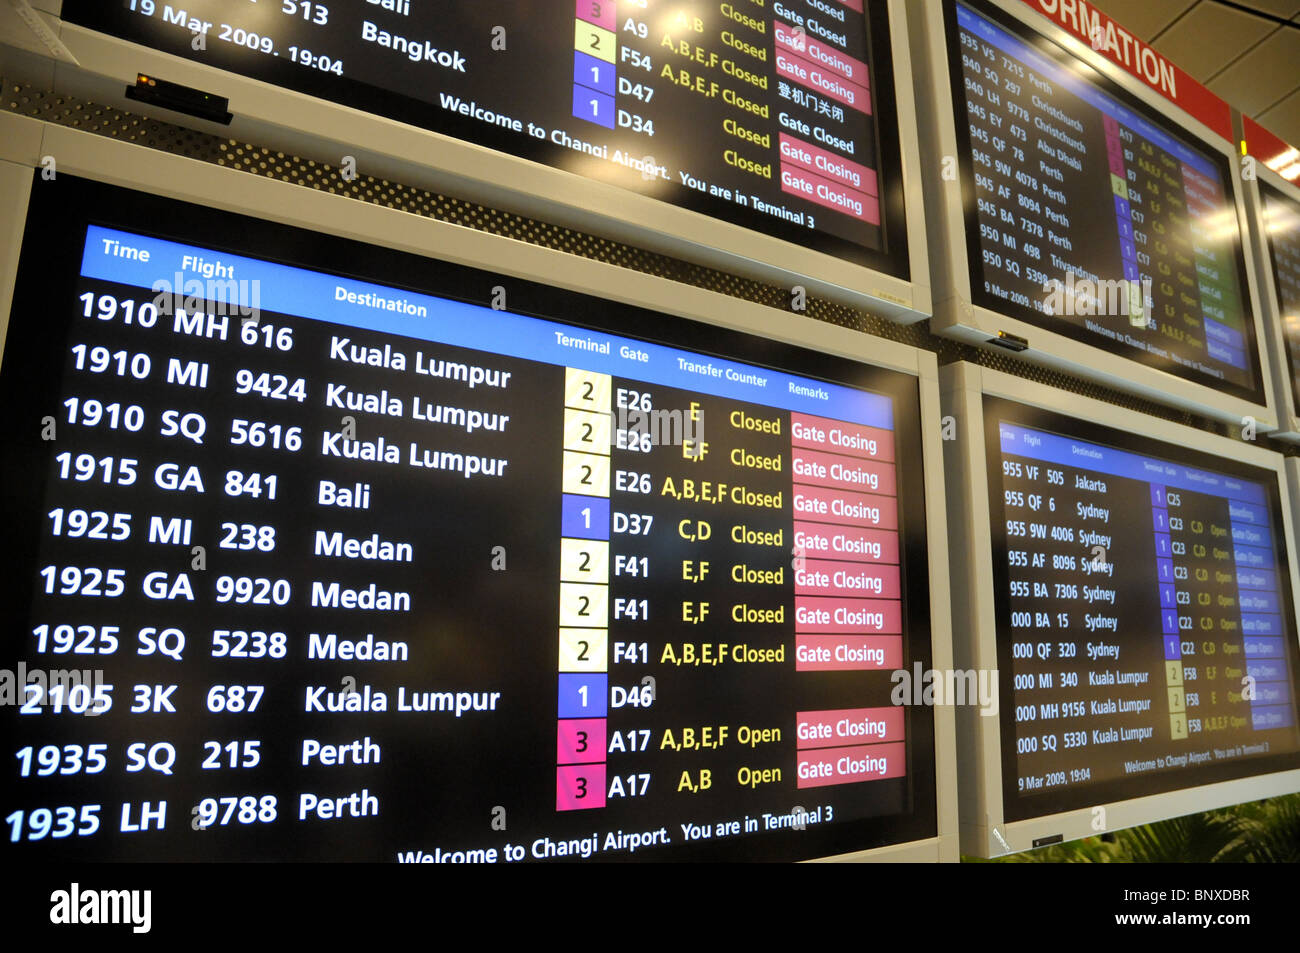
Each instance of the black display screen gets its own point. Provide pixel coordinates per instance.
(1146, 632)
(553, 579)
(779, 117)
(1282, 230)
(1089, 216)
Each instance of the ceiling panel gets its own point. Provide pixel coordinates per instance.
(1211, 37)
(1264, 76)
(1252, 61)
(1277, 8)
(1144, 19)
(1284, 118)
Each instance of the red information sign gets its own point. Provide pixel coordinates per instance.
(1125, 50)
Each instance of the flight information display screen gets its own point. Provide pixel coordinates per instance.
(352, 555)
(1146, 633)
(1088, 216)
(776, 116)
(1282, 229)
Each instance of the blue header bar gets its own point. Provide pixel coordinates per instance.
(1063, 451)
(131, 259)
(1086, 91)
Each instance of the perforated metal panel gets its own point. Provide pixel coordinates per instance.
(307, 171)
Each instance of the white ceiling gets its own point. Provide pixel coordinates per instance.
(1245, 51)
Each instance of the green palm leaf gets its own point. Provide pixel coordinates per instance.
(1271, 834)
(1196, 838)
(1259, 832)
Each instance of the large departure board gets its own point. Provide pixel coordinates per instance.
(1089, 215)
(779, 117)
(1282, 236)
(327, 552)
(1145, 626)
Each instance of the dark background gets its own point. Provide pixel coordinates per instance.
(533, 80)
(469, 628)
